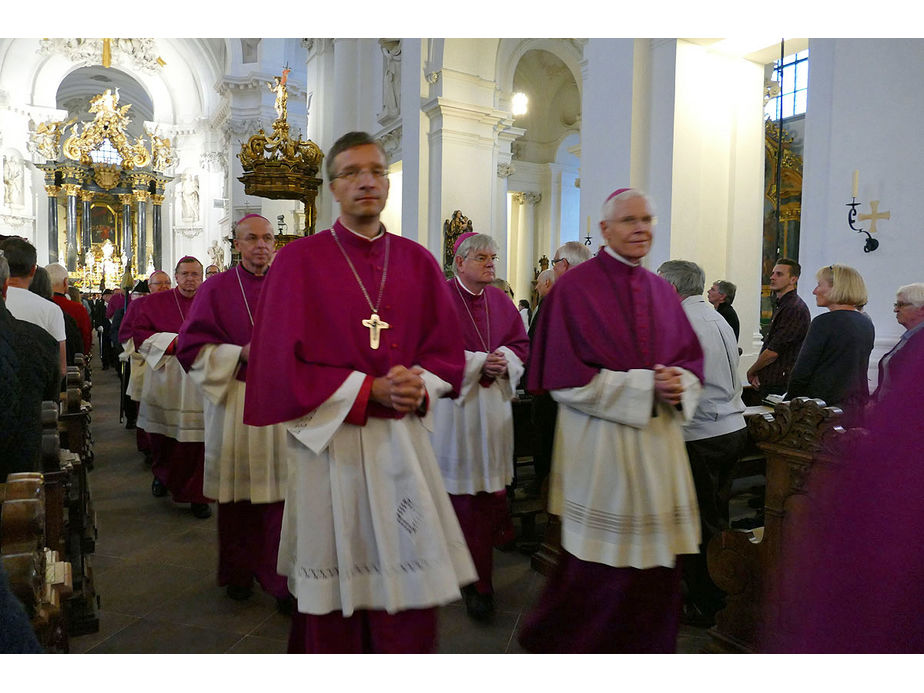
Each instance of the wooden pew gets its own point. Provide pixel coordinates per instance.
(38, 576)
(798, 439)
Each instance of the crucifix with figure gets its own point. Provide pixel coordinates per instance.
(375, 325)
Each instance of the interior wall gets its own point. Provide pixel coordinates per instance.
(863, 114)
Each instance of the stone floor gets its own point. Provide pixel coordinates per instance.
(154, 570)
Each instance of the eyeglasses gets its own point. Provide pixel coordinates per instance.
(900, 304)
(557, 260)
(482, 259)
(648, 220)
(351, 175)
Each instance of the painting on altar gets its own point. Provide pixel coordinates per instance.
(102, 224)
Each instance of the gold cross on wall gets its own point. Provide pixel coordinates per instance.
(876, 214)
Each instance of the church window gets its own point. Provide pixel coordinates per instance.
(791, 74)
(106, 153)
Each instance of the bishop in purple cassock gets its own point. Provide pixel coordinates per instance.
(619, 356)
(245, 466)
(473, 434)
(355, 337)
(171, 405)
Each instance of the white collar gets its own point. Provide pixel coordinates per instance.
(471, 293)
(619, 257)
(365, 238)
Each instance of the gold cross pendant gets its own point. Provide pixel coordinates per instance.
(375, 325)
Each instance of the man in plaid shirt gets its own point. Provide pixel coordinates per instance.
(790, 322)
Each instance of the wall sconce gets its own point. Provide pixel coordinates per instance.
(871, 243)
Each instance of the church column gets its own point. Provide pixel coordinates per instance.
(555, 205)
(126, 200)
(525, 244)
(72, 190)
(141, 220)
(52, 191)
(86, 197)
(157, 201)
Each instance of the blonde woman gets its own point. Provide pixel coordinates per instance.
(833, 362)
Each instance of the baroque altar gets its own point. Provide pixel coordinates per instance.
(106, 182)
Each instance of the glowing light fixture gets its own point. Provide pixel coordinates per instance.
(520, 102)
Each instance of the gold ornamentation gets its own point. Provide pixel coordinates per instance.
(46, 139)
(52, 190)
(107, 175)
(162, 157)
(87, 195)
(71, 189)
(125, 199)
(110, 123)
(280, 167)
(157, 199)
(142, 195)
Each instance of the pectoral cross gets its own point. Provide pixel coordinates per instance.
(375, 324)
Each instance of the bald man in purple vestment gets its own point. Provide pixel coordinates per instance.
(617, 353)
(245, 466)
(473, 434)
(171, 405)
(355, 337)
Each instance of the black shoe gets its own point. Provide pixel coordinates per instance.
(480, 607)
(200, 510)
(158, 489)
(286, 605)
(148, 459)
(131, 424)
(236, 592)
(693, 615)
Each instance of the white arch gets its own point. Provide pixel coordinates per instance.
(509, 52)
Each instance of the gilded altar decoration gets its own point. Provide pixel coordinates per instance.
(110, 123)
(452, 229)
(100, 185)
(278, 166)
(46, 138)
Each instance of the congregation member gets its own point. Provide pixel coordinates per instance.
(544, 409)
(525, 312)
(245, 466)
(852, 579)
(833, 362)
(716, 437)
(473, 434)
(73, 342)
(170, 409)
(103, 325)
(355, 338)
(25, 305)
(620, 479)
(721, 295)
(909, 312)
(59, 277)
(569, 255)
(212, 270)
(769, 374)
(29, 374)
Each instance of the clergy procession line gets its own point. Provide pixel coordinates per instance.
(348, 408)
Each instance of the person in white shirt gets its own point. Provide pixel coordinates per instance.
(25, 305)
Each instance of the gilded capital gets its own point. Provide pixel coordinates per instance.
(52, 190)
(71, 189)
(157, 199)
(141, 195)
(87, 195)
(125, 199)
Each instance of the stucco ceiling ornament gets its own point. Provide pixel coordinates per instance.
(137, 53)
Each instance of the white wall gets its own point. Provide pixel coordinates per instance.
(864, 112)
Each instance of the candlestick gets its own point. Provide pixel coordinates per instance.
(856, 182)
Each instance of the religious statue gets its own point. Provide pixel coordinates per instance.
(191, 198)
(46, 139)
(217, 255)
(452, 229)
(12, 182)
(278, 87)
(162, 153)
(391, 83)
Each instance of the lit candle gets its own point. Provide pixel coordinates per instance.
(856, 182)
